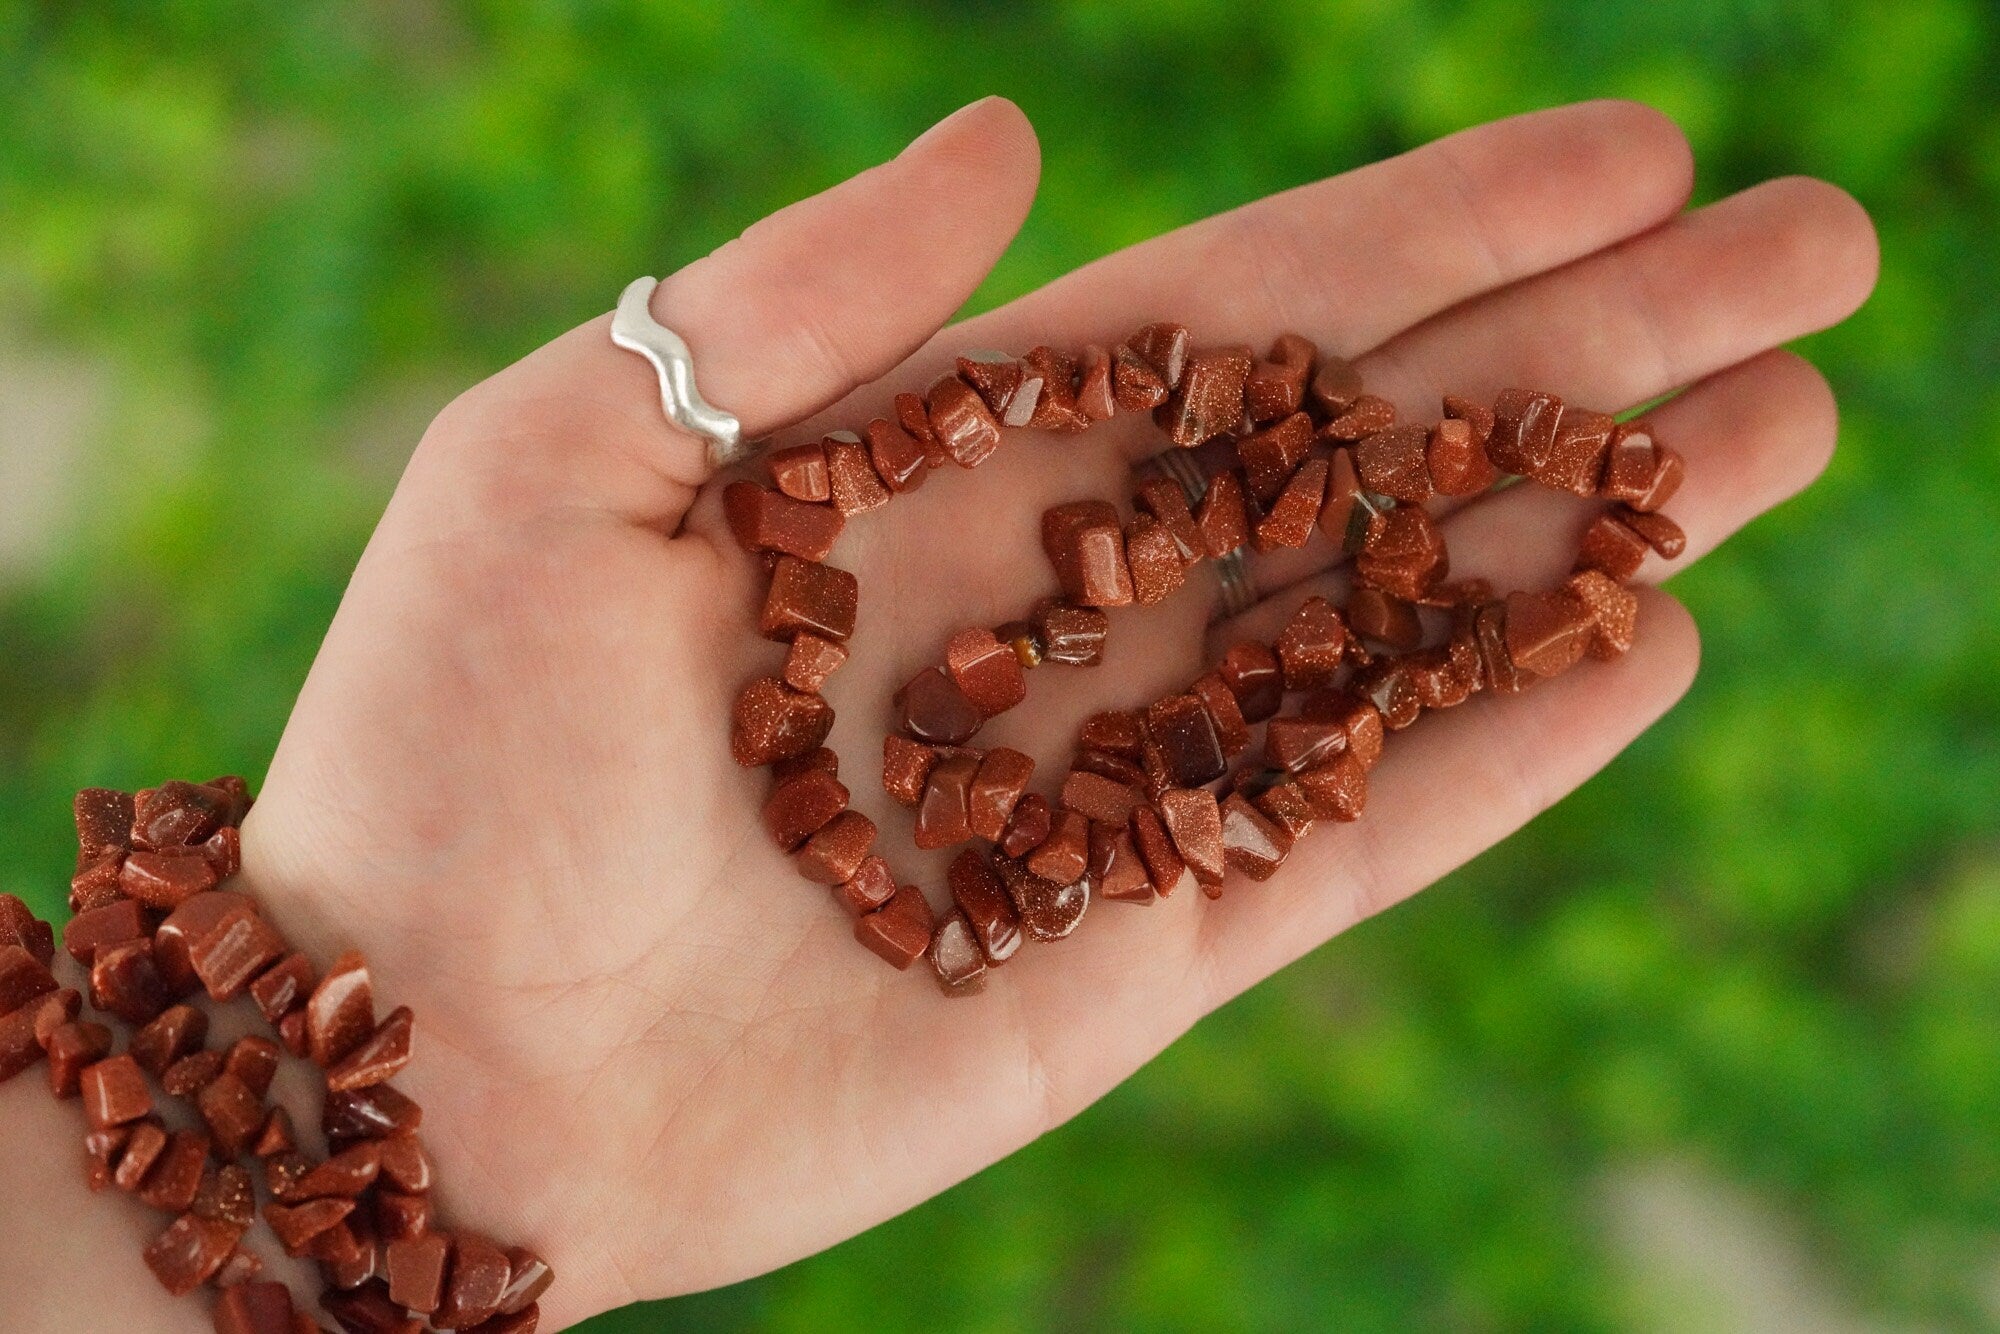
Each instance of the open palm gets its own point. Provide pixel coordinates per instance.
(648, 1047)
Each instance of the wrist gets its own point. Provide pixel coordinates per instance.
(70, 1259)
(389, 917)
(239, 945)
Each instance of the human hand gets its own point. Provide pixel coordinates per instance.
(650, 1050)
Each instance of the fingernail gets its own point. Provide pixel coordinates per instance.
(949, 121)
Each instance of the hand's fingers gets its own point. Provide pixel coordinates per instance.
(1356, 258)
(1706, 291)
(819, 297)
(1709, 289)
(1757, 435)
(1753, 436)
(1458, 782)
(1446, 789)
(1349, 260)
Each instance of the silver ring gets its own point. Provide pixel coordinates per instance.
(634, 329)
(1232, 570)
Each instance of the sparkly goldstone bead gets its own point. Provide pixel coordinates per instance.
(1209, 398)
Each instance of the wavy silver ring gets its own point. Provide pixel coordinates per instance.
(634, 329)
(1232, 571)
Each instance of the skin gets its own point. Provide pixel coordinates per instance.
(646, 1046)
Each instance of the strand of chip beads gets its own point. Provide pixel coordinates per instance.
(154, 927)
(1263, 453)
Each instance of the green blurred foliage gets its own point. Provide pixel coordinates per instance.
(1768, 938)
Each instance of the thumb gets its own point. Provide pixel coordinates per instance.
(824, 295)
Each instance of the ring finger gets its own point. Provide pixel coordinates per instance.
(1709, 290)
(1753, 435)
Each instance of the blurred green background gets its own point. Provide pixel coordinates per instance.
(1712, 1046)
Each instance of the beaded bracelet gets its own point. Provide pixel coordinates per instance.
(153, 926)
(1262, 454)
